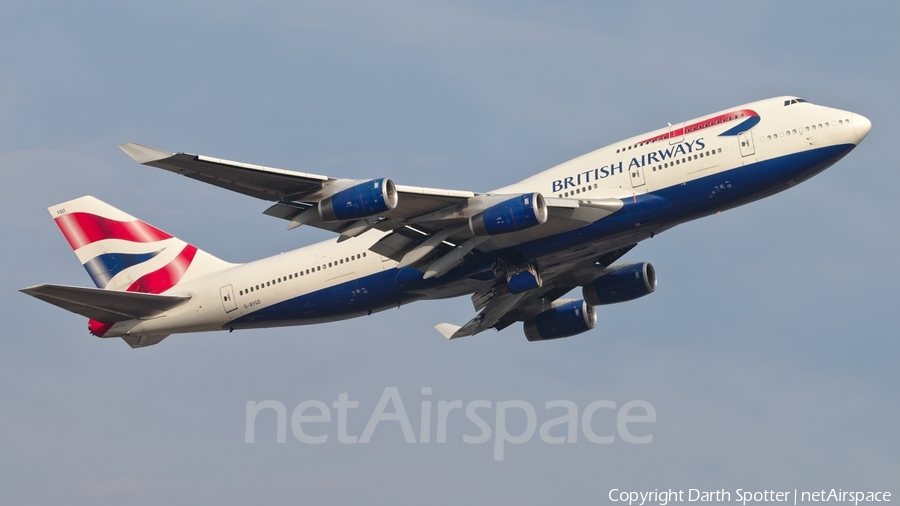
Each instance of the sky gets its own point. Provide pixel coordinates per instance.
(768, 354)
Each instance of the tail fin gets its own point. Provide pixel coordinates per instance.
(123, 253)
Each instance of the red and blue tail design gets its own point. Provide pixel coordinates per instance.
(121, 252)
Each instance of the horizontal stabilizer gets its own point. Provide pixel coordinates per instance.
(447, 329)
(143, 341)
(107, 306)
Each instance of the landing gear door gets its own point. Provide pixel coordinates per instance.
(226, 293)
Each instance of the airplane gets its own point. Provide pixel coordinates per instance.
(517, 250)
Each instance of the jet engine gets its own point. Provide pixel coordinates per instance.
(517, 213)
(625, 283)
(565, 318)
(363, 200)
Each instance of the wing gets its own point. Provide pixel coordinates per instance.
(426, 228)
(293, 192)
(500, 308)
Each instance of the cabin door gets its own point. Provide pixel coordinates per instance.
(227, 295)
(676, 133)
(637, 177)
(745, 140)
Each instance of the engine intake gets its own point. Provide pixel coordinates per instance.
(517, 213)
(563, 320)
(622, 284)
(366, 199)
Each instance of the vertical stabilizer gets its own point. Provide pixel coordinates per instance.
(121, 252)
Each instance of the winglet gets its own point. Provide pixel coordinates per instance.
(447, 329)
(143, 154)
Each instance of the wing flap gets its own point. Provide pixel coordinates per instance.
(108, 306)
(492, 313)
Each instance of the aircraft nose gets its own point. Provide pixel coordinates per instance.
(861, 125)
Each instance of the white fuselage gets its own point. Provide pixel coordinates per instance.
(696, 165)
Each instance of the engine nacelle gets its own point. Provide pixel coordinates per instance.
(363, 200)
(564, 319)
(517, 213)
(625, 283)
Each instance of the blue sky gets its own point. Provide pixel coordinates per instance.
(769, 351)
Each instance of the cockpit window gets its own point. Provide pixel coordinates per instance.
(793, 101)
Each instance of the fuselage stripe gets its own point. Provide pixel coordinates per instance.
(704, 124)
